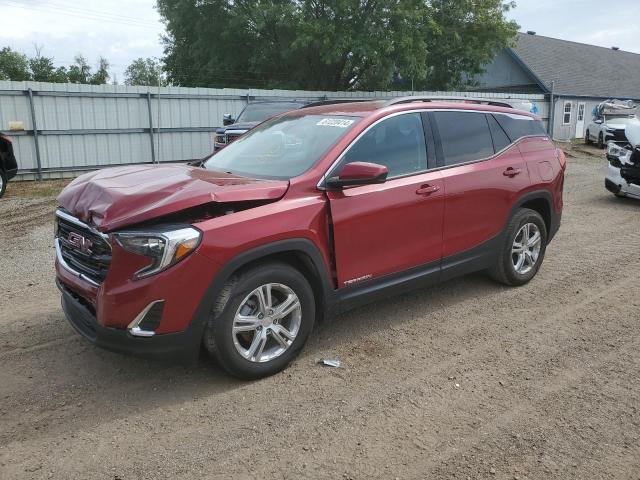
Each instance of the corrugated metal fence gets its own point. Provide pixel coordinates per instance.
(70, 128)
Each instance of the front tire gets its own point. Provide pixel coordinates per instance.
(261, 320)
(600, 140)
(587, 138)
(522, 250)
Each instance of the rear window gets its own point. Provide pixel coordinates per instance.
(518, 126)
(500, 138)
(465, 136)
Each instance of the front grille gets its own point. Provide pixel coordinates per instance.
(83, 249)
(617, 135)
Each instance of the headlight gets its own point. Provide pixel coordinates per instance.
(163, 247)
(219, 139)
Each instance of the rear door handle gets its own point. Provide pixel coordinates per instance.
(427, 190)
(512, 172)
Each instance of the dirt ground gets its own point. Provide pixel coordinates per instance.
(465, 380)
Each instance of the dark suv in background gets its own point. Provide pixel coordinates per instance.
(253, 114)
(8, 164)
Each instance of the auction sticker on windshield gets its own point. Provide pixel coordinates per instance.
(335, 122)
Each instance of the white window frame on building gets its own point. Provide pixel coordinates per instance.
(566, 121)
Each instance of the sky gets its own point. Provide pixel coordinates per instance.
(123, 30)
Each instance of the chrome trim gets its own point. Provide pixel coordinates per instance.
(234, 132)
(133, 327)
(71, 219)
(67, 267)
(324, 177)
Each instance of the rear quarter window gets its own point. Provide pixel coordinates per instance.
(465, 136)
(518, 126)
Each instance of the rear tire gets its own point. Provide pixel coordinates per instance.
(248, 331)
(522, 250)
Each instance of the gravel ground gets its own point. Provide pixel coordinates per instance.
(465, 380)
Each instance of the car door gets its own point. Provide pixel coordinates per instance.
(394, 226)
(483, 174)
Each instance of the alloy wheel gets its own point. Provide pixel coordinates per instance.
(526, 248)
(267, 322)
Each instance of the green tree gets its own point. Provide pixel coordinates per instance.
(332, 44)
(101, 77)
(13, 65)
(144, 71)
(80, 71)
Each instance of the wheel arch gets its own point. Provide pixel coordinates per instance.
(540, 201)
(300, 253)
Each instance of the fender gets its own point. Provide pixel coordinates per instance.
(297, 245)
(545, 195)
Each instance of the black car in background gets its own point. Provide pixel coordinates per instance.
(253, 114)
(8, 164)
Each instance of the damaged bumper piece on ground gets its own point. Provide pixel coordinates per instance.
(623, 176)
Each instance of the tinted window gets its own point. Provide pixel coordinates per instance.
(397, 143)
(518, 126)
(465, 136)
(282, 147)
(500, 139)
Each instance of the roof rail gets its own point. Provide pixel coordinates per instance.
(336, 102)
(420, 98)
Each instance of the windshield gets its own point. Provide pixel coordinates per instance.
(281, 148)
(259, 112)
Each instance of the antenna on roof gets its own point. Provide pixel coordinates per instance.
(615, 48)
(530, 32)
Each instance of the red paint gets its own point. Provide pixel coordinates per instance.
(115, 197)
(362, 171)
(360, 231)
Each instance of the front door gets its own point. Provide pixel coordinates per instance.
(580, 120)
(387, 228)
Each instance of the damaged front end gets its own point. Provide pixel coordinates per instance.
(624, 164)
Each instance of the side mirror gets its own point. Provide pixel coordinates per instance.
(359, 173)
(227, 119)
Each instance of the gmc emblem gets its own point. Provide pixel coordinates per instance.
(81, 243)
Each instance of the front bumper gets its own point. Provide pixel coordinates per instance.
(182, 345)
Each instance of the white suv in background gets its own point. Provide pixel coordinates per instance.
(609, 123)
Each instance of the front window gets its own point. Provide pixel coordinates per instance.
(396, 142)
(259, 112)
(282, 148)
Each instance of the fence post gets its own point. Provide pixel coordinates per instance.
(35, 134)
(153, 146)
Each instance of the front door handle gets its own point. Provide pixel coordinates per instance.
(512, 172)
(427, 190)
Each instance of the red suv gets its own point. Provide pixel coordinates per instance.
(311, 213)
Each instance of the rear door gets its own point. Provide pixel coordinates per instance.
(483, 174)
(387, 228)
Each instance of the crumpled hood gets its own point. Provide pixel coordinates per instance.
(115, 197)
(632, 132)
